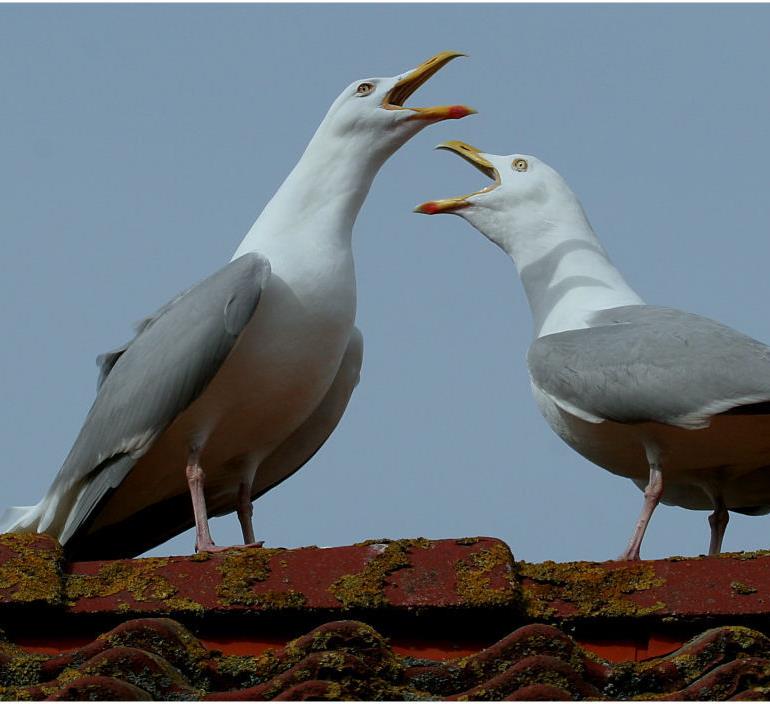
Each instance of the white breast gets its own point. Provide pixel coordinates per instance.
(281, 367)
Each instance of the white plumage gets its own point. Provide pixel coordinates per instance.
(676, 402)
(250, 369)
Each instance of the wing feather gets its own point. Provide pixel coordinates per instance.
(645, 363)
(150, 381)
(159, 522)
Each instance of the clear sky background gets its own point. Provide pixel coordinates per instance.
(139, 143)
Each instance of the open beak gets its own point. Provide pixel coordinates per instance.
(472, 156)
(398, 94)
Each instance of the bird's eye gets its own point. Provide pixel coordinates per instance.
(364, 88)
(519, 164)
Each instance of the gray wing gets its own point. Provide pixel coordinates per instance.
(150, 381)
(107, 361)
(154, 524)
(294, 452)
(645, 363)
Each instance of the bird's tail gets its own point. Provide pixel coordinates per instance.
(21, 519)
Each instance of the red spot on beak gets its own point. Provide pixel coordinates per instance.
(429, 208)
(458, 111)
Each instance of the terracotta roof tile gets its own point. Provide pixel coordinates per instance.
(421, 619)
(350, 660)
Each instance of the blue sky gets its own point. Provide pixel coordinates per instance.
(140, 142)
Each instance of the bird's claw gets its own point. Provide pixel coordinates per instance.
(221, 548)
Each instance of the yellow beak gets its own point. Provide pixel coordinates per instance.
(396, 96)
(472, 156)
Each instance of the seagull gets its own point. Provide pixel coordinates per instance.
(676, 402)
(233, 385)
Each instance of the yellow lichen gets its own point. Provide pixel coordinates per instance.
(646, 679)
(745, 555)
(741, 588)
(246, 670)
(242, 569)
(474, 577)
(171, 641)
(139, 578)
(365, 589)
(590, 588)
(22, 669)
(33, 573)
(334, 692)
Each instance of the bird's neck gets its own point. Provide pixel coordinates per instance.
(320, 198)
(565, 271)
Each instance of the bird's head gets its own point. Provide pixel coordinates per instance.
(374, 111)
(526, 195)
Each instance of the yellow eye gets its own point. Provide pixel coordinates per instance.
(520, 164)
(364, 88)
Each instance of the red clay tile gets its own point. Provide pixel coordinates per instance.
(348, 660)
(450, 619)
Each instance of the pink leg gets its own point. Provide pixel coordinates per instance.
(652, 493)
(718, 522)
(245, 511)
(195, 480)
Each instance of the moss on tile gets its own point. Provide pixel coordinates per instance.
(474, 574)
(200, 557)
(139, 579)
(742, 588)
(242, 569)
(591, 589)
(744, 555)
(33, 573)
(650, 679)
(22, 669)
(366, 589)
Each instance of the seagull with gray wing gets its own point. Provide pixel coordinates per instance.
(678, 403)
(233, 385)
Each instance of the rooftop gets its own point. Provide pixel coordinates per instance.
(402, 619)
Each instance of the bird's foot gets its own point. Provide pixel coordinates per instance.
(210, 547)
(629, 555)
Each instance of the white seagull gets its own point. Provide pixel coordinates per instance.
(233, 385)
(676, 402)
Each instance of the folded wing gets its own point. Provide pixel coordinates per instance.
(145, 385)
(646, 363)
